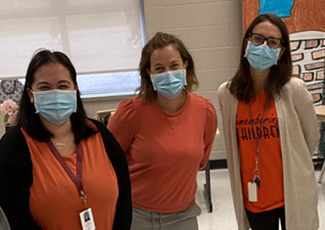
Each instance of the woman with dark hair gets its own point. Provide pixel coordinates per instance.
(270, 132)
(56, 164)
(167, 134)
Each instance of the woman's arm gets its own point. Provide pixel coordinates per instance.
(15, 180)
(211, 125)
(122, 124)
(123, 215)
(303, 103)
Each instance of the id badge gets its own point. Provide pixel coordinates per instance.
(252, 192)
(87, 220)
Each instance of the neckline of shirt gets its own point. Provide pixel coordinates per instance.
(163, 112)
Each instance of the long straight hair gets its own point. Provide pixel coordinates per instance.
(242, 85)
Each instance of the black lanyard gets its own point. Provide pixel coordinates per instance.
(77, 180)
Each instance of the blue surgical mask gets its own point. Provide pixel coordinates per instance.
(261, 57)
(56, 106)
(169, 84)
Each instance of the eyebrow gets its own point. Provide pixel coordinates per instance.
(64, 81)
(266, 37)
(158, 64)
(46, 83)
(42, 83)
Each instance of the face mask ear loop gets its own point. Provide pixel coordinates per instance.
(277, 57)
(75, 98)
(185, 77)
(34, 98)
(247, 46)
(153, 83)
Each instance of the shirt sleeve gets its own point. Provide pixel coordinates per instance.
(122, 123)
(303, 103)
(211, 125)
(15, 180)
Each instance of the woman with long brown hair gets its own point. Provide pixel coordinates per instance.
(270, 130)
(167, 133)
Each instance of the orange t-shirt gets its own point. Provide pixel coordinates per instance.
(55, 203)
(270, 194)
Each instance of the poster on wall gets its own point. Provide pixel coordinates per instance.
(306, 24)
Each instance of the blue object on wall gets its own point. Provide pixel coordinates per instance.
(282, 8)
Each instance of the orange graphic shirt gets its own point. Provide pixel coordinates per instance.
(271, 193)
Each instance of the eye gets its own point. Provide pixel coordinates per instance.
(64, 86)
(44, 88)
(274, 43)
(257, 39)
(159, 70)
(174, 66)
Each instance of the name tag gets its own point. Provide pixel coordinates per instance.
(252, 192)
(87, 220)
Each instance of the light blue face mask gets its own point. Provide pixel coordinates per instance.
(261, 57)
(56, 106)
(169, 84)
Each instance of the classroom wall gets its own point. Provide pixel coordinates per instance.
(212, 31)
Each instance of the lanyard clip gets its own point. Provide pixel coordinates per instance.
(84, 199)
(257, 179)
(83, 196)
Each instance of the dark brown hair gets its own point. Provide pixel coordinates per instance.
(28, 119)
(242, 86)
(159, 41)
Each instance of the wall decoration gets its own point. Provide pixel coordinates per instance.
(305, 22)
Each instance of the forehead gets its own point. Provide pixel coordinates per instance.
(267, 29)
(166, 54)
(52, 73)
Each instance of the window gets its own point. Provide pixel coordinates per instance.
(103, 39)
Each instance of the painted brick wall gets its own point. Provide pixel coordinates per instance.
(212, 31)
(308, 56)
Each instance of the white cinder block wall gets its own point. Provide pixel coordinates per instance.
(212, 31)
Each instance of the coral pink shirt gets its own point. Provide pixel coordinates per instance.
(164, 152)
(55, 203)
(271, 193)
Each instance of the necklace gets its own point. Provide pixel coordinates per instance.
(63, 141)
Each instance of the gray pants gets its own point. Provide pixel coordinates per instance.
(147, 220)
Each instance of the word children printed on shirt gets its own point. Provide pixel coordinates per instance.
(268, 129)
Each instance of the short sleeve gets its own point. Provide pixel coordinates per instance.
(211, 125)
(122, 123)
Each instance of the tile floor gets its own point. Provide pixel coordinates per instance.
(223, 216)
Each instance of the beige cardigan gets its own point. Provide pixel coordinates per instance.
(299, 136)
